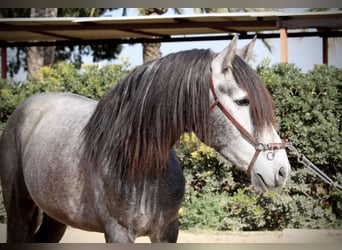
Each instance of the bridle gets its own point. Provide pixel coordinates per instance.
(259, 147)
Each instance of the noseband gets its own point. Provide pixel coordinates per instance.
(259, 147)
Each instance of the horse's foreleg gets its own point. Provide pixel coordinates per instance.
(169, 234)
(115, 233)
(22, 221)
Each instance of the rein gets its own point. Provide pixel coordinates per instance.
(301, 158)
(259, 147)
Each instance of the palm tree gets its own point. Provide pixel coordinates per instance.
(40, 56)
(151, 51)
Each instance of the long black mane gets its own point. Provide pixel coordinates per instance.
(136, 122)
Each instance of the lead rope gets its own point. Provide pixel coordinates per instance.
(306, 162)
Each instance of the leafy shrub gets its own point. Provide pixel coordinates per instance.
(308, 110)
(220, 197)
(203, 212)
(10, 97)
(91, 81)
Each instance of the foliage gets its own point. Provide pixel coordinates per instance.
(308, 110)
(63, 53)
(219, 197)
(91, 81)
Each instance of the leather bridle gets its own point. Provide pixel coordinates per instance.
(259, 147)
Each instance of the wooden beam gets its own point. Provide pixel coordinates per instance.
(332, 22)
(283, 46)
(162, 39)
(3, 63)
(135, 26)
(325, 48)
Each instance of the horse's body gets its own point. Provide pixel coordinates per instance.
(61, 187)
(109, 166)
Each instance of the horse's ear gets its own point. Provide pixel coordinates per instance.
(223, 61)
(246, 52)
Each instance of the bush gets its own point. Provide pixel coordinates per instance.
(308, 110)
(10, 97)
(91, 81)
(219, 197)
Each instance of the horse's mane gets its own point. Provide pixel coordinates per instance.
(137, 121)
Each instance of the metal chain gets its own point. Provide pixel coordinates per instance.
(306, 162)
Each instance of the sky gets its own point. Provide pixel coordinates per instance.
(303, 52)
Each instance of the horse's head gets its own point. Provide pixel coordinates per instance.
(242, 120)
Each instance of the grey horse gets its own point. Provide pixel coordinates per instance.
(110, 167)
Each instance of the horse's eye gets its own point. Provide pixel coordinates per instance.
(242, 102)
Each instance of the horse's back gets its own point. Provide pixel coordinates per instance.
(28, 114)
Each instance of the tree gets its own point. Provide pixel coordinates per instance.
(38, 57)
(19, 58)
(151, 50)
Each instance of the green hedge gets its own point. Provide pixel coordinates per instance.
(218, 196)
(308, 110)
(91, 81)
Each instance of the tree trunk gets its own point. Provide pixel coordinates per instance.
(151, 51)
(38, 57)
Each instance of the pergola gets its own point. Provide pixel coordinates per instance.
(22, 32)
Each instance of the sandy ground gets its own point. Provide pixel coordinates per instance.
(286, 236)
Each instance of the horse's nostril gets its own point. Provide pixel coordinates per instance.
(282, 174)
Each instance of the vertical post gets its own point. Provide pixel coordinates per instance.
(3, 63)
(325, 48)
(283, 45)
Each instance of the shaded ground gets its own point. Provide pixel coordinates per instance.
(287, 236)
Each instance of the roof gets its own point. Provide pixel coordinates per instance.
(48, 31)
